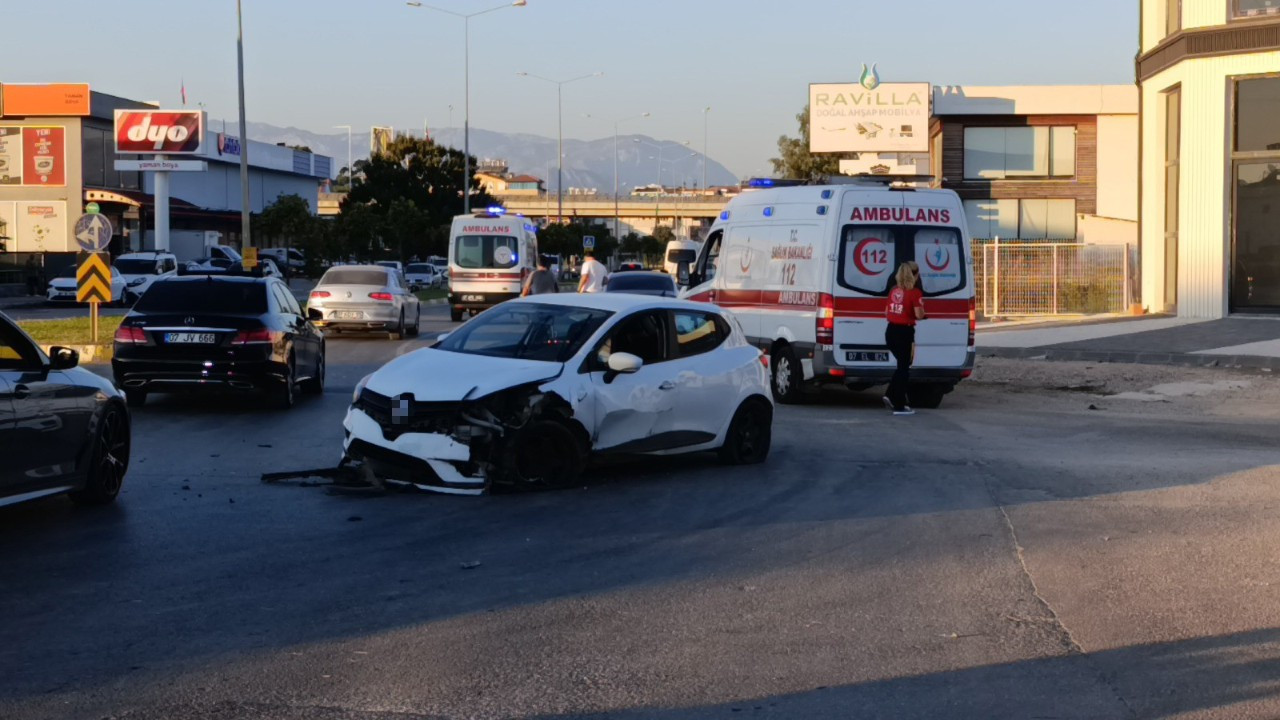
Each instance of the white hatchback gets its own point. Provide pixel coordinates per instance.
(526, 392)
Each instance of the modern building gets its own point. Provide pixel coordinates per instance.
(1047, 163)
(57, 153)
(1209, 74)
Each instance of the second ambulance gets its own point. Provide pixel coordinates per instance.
(807, 270)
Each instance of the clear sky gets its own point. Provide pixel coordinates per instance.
(316, 63)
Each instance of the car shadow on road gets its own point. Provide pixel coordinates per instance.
(1209, 674)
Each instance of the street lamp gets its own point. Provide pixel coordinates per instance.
(559, 132)
(658, 198)
(466, 63)
(351, 172)
(705, 113)
(617, 215)
(244, 147)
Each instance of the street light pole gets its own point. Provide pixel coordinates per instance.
(617, 215)
(560, 133)
(466, 79)
(351, 173)
(705, 113)
(244, 133)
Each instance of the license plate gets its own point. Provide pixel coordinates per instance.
(348, 315)
(861, 356)
(472, 298)
(189, 338)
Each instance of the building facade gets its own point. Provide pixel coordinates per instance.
(1209, 77)
(1046, 163)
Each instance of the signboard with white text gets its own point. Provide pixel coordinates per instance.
(889, 117)
(159, 132)
(165, 165)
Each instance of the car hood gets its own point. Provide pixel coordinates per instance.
(442, 376)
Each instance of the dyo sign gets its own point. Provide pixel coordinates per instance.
(159, 132)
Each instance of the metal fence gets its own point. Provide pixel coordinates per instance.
(1051, 278)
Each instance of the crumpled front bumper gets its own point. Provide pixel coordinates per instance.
(428, 461)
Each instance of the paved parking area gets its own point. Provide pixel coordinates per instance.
(1036, 548)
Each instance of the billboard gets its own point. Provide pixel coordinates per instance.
(44, 100)
(869, 117)
(41, 226)
(160, 132)
(380, 139)
(33, 155)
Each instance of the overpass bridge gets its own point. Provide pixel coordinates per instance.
(686, 215)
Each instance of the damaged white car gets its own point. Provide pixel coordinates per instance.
(526, 392)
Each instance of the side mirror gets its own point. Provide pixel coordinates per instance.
(63, 358)
(442, 336)
(621, 363)
(683, 276)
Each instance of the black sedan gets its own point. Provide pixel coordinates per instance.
(207, 332)
(642, 283)
(63, 429)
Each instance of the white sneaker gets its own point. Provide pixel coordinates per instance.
(888, 404)
(904, 411)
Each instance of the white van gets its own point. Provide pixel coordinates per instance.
(141, 269)
(490, 255)
(679, 251)
(806, 269)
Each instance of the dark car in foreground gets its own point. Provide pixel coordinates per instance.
(220, 333)
(642, 283)
(63, 429)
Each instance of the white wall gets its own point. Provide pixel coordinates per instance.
(219, 187)
(1106, 231)
(1118, 166)
(1204, 193)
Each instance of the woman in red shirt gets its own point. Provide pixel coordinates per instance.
(905, 307)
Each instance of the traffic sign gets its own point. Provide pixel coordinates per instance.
(250, 258)
(93, 232)
(588, 242)
(92, 208)
(93, 279)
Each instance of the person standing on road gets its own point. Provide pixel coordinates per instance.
(33, 271)
(540, 281)
(593, 274)
(905, 307)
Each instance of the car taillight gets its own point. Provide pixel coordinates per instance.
(256, 336)
(385, 297)
(825, 322)
(973, 320)
(130, 335)
(315, 294)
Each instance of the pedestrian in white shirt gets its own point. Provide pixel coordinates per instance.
(593, 275)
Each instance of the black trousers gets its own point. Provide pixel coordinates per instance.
(900, 339)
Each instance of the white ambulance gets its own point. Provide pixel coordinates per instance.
(806, 270)
(490, 255)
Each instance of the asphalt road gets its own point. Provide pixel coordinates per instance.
(1014, 554)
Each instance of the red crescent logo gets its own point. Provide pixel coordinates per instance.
(938, 258)
(745, 262)
(857, 255)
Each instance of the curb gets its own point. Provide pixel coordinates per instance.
(1234, 362)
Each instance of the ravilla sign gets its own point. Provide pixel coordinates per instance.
(869, 116)
(159, 132)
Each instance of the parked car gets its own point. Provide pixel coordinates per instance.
(218, 332)
(210, 263)
(140, 269)
(526, 392)
(630, 267)
(423, 275)
(63, 429)
(642, 283)
(364, 297)
(393, 264)
(291, 259)
(63, 287)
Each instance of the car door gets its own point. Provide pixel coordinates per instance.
(409, 300)
(305, 345)
(704, 393)
(631, 407)
(43, 431)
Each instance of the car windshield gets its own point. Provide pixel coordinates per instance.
(623, 282)
(420, 268)
(68, 271)
(136, 266)
(486, 251)
(354, 276)
(529, 331)
(214, 296)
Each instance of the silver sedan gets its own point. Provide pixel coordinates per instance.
(364, 298)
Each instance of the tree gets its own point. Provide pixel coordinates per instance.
(419, 170)
(664, 234)
(794, 160)
(565, 240)
(406, 229)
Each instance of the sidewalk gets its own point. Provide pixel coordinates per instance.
(1237, 342)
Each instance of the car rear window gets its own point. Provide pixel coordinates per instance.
(679, 256)
(228, 297)
(420, 268)
(486, 251)
(622, 282)
(354, 276)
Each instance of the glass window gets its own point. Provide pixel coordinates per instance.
(136, 266)
(1060, 219)
(1027, 219)
(15, 352)
(214, 296)
(1019, 152)
(938, 253)
(486, 251)
(675, 256)
(354, 276)
(643, 335)
(992, 218)
(711, 258)
(642, 284)
(697, 332)
(549, 333)
(1256, 280)
(93, 156)
(1258, 114)
(1254, 8)
(868, 259)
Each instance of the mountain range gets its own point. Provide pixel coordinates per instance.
(587, 163)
